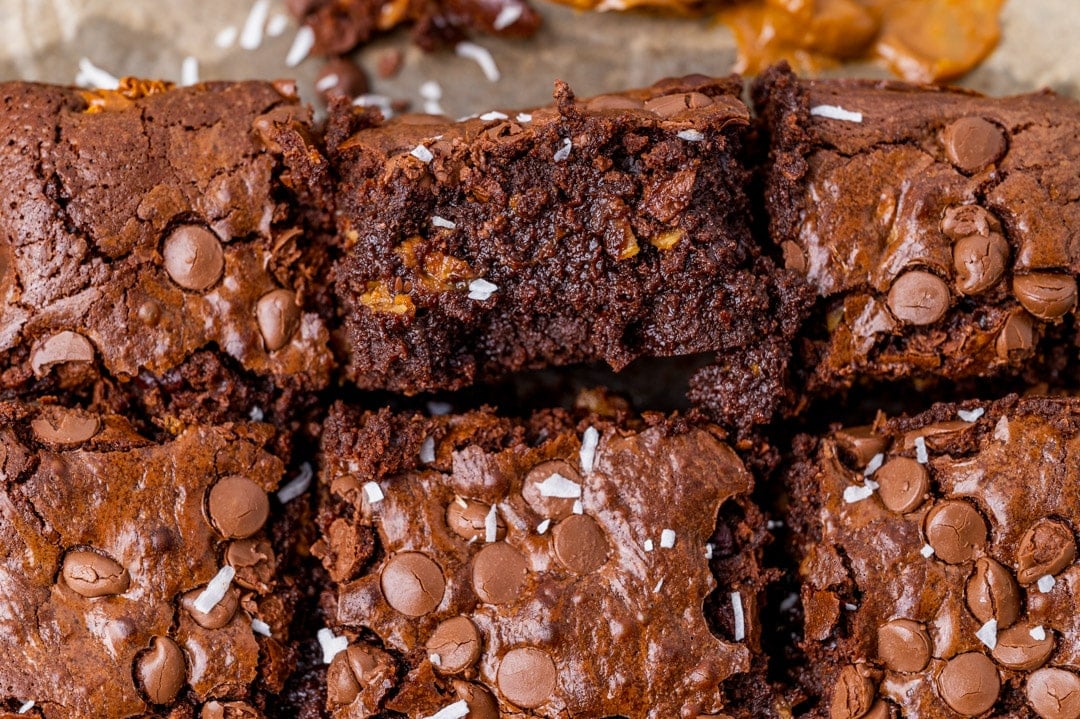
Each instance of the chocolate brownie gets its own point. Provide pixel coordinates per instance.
(138, 577)
(544, 568)
(143, 226)
(938, 563)
(596, 230)
(936, 225)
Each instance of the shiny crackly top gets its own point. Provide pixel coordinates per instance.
(551, 580)
(108, 543)
(143, 224)
(945, 580)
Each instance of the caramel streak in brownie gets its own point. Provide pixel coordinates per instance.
(937, 226)
(938, 563)
(606, 229)
(138, 577)
(142, 225)
(540, 568)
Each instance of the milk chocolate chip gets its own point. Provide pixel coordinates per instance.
(468, 519)
(880, 710)
(904, 645)
(1046, 548)
(60, 426)
(527, 677)
(193, 257)
(991, 593)
(1044, 294)
(1054, 693)
(965, 220)
(60, 348)
(861, 443)
(161, 670)
(413, 583)
(969, 683)
(853, 694)
(919, 298)
(341, 685)
(456, 643)
(228, 710)
(254, 562)
(671, 105)
(481, 703)
(360, 670)
(904, 484)
(238, 507)
(279, 317)
(1017, 649)
(980, 262)
(580, 544)
(545, 504)
(612, 102)
(955, 530)
(221, 614)
(1018, 335)
(498, 573)
(94, 575)
(341, 77)
(972, 143)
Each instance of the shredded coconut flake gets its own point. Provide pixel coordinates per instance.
(1046, 583)
(690, 135)
(252, 34)
(1001, 430)
(789, 602)
(297, 485)
(709, 549)
(509, 15)
(442, 222)
(523, 117)
(857, 493)
(327, 82)
(431, 90)
(874, 464)
(667, 538)
(927, 551)
(835, 112)
(422, 154)
(457, 710)
(659, 585)
(438, 409)
(256, 414)
(301, 46)
(25, 707)
(215, 590)
(277, 25)
(226, 37)
(189, 71)
(970, 415)
(559, 486)
(920, 451)
(432, 107)
(1037, 633)
(373, 492)
(850, 607)
(435, 660)
(373, 100)
(90, 75)
(427, 450)
(564, 150)
(587, 455)
(481, 289)
(740, 619)
(260, 627)
(491, 525)
(494, 115)
(648, 545)
(987, 634)
(578, 508)
(481, 56)
(542, 528)
(331, 645)
(774, 524)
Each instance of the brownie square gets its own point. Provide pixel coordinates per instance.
(139, 578)
(937, 555)
(547, 567)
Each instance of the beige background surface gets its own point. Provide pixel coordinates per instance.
(595, 52)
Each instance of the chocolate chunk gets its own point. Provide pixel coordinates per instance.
(481, 703)
(580, 544)
(904, 484)
(904, 645)
(853, 694)
(1016, 649)
(919, 298)
(955, 530)
(969, 683)
(279, 317)
(861, 443)
(94, 575)
(457, 642)
(499, 573)
(193, 257)
(341, 77)
(980, 262)
(60, 426)
(992, 593)
(1046, 295)
(671, 105)
(1054, 693)
(1047, 547)
(470, 521)
(60, 348)
(973, 143)
(1018, 335)
(161, 670)
(527, 677)
(413, 584)
(220, 615)
(238, 507)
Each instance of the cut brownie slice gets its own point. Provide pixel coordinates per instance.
(144, 225)
(937, 226)
(606, 229)
(544, 568)
(938, 563)
(138, 577)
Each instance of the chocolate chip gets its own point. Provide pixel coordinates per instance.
(1045, 295)
(1046, 548)
(904, 484)
(193, 257)
(919, 298)
(992, 593)
(498, 573)
(980, 262)
(853, 694)
(965, 220)
(238, 507)
(527, 677)
(161, 670)
(279, 317)
(357, 670)
(904, 645)
(969, 683)
(481, 703)
(413, 583)
(60, 426)
(554, 508)
(254, 562)
(1054, 693)
(861, 443)
(341, 685)
(612, 102)
(580, 544)
(456, 641)
(228, 710)
(60, 348)
(341, 77)
(881, 710)
(149, 313)
(94, 575)
(955, 530)
(671, 105)
(972, 143)
(1017, 649)
(216, 618)
(1017, 336)
(469, 521)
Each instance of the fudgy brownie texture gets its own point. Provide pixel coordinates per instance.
(598, 230)
(938, 563)
(144, 226)
(110, 548)
(541, 568)
(937, 226)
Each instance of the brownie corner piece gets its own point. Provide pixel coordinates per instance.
(543, 567)
(141, 578)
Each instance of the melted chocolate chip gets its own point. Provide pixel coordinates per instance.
(161, 670)
(527, 677)
(60, 426)
(1018, 335)
(498, 574)
(456, 642)
(193, 257)
(1046, 295)
(470, 521)
(1017, 649)
(412, 583)
(919, 298)
(671, 105)
(60, 348)
(904, 645)
(1047, 547)
(955, 530)
(220, 615)
(580, 544)
(481, 703)
(861, 443)
(94, 575)
(969, 683)
(853, 694)
(1054, 693)
(992, 593)
(278, 316)
(904, 484)
(973, 143)
(238, 507)
(979, 262)
(341, 77)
